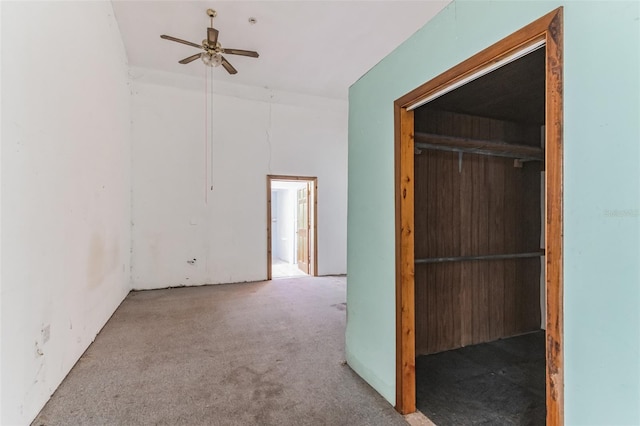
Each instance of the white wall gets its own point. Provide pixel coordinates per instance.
(285, 236)
(275, 224)
(65, 191)
(289, 225)
(256, 132)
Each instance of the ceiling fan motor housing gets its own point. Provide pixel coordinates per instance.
(212, 49)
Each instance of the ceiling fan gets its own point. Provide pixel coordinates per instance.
(213, 50)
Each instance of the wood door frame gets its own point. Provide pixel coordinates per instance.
(549, 29)
(313, 248)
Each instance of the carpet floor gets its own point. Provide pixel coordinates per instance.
(497, 383)
(267, 353)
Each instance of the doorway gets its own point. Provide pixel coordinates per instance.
(291, 226)
(454, 256)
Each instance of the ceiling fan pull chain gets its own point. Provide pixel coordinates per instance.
(211, 125)
(206, 138)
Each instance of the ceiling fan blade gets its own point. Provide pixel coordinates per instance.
(190, 58)
(250, 53)
(212, 36)
(188, 43)
(227, 66)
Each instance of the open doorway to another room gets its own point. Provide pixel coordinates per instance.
(291, 226)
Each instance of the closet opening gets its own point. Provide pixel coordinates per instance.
(479, 249)
(479, 236)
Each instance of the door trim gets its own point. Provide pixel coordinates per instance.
(313, 248)
(550, 30)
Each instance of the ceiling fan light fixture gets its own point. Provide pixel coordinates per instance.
(211, 60)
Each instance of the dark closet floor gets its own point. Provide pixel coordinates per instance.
(497, 383)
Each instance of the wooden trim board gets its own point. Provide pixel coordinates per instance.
(405, 267)
(548, 29)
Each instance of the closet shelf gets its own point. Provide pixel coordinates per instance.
(477, 146)
(483, 257)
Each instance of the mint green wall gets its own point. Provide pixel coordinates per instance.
(602, 194)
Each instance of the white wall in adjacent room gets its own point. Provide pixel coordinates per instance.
(286, 228)
(178, 155)
(65, 191)
(284, 236)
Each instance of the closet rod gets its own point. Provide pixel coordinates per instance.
(477, 146)
(485, 257)
(476, 151)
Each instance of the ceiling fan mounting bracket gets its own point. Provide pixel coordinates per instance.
(212, 13)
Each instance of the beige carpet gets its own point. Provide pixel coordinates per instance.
(269, 353)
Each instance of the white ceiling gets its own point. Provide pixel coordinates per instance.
(306, 46)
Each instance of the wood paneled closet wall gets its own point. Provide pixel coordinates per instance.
(470, 204)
